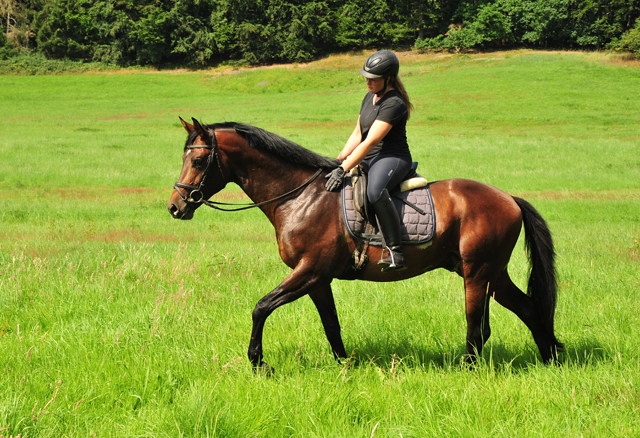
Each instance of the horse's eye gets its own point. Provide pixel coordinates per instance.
(198, 164)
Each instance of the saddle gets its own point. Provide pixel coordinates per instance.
(413, 202)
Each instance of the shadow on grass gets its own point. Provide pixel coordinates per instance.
(383, 352)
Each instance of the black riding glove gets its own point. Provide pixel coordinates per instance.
(335, 179)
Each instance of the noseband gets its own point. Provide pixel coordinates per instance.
(218, 183)
(217, 179)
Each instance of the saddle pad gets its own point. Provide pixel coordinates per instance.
(417, 228)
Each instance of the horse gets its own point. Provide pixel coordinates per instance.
(476, 230)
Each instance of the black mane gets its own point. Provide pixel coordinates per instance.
(274, 144)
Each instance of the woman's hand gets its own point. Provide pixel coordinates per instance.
(335, 179)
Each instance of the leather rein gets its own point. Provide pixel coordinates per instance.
(219, 182)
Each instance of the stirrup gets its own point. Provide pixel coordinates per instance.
(391, 264)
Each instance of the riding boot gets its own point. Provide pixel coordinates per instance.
(389, 223)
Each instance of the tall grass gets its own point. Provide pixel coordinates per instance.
(117, 321)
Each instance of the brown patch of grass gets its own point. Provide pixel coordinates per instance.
(116, 235)
(128, 116)
(608, 195)
(155, 114)
(137, 71)
(306, 125)
(43, 253)
(73, 194)
(354, 60)
(128, 235)
(134, 190)
(623, 60)
(634, 252)
(94, 192)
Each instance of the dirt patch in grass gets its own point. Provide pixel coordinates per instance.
(128, 235)
(91, 192)
(354, 60)
(136, 190)
(74, 194)
(607, 195)
(309, 125)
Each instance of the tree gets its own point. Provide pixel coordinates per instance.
(7, 8)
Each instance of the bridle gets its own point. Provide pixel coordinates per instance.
(195, 192)
(218, 182)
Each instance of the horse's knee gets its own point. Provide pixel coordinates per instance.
(260, 312)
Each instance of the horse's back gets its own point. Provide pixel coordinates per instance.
(467, 194)
(481, 217)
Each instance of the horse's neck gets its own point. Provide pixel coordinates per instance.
(264, 177)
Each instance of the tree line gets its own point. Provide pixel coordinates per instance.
(203, 32)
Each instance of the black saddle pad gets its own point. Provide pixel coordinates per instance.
(418, 226)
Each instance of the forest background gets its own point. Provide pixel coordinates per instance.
(210, 32)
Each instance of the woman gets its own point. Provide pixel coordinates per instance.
(379, 144)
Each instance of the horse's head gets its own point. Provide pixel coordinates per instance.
(201, 176)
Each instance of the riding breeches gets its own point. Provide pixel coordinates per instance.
(384, 172)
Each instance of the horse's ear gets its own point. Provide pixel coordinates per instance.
(204, 133)
(187, 126)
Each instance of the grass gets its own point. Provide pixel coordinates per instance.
(117, 321)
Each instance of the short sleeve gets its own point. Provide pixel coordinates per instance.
(392, 111)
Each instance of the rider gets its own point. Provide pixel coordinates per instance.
(379, 144)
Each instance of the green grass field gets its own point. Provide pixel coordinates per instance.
(116, 320)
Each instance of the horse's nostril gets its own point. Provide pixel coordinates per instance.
(173, 209)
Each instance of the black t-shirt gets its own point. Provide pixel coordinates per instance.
(393, 110)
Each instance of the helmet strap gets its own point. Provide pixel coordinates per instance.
(384, 89)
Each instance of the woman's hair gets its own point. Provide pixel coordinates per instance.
(396, 83)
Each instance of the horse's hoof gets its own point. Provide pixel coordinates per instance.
(469, 360)
(264, 369)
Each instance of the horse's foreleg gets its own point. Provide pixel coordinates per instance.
(323, 299)
(477, 311)
(299, 283)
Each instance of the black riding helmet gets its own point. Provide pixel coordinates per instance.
(382, 64)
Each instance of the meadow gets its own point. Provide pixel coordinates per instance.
(116, 320)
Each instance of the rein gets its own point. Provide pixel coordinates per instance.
(197, 197)
(240, 207)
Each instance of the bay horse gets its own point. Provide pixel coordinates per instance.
(477, 228)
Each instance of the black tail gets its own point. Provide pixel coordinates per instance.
(542, 286)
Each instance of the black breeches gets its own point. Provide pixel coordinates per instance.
(384, 172)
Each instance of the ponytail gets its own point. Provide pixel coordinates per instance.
(398, 85)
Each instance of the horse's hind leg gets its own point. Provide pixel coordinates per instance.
(323, 299)
(511, 297)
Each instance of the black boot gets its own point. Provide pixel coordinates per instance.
(389, 224)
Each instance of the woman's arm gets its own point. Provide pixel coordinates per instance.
(358, 152)
(352, 142)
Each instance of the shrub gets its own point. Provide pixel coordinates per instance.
(435, 43)
(629, 41)
(490, 25)
(37, 64)
(6, 51)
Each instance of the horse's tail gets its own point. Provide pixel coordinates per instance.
(542, 286)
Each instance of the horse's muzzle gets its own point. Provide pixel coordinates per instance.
(184, 213)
